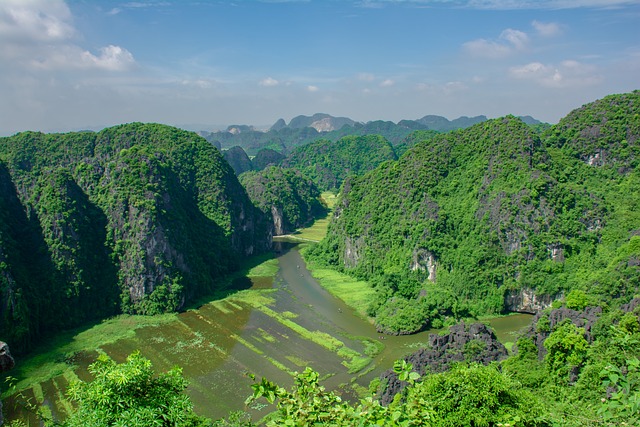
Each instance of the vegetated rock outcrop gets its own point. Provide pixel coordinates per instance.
(464, 343)
(137, 218)
(288, 197)
(583, 319)
(267, 157)
(502, 210)
(238, 160)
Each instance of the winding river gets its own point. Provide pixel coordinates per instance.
(279, 326)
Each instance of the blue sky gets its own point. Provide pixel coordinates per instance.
(68, 65)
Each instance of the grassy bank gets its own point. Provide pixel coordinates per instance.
(357, 294)
(318, 229)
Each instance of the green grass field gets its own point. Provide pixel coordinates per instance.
(357, 294)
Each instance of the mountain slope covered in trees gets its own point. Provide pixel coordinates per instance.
(328, 163)
(468, 219)
(137, 218)
(291, 199)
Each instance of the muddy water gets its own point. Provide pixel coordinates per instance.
(271, 330)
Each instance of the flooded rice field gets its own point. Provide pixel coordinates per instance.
(278, 326)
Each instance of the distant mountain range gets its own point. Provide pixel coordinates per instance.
(302, 130)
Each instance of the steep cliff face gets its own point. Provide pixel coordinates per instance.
(136, 218)
(525, 300)
(27, 285)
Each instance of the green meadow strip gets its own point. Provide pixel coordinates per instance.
(268, 268)
(357, 294)
(352, 357)
(297, 361)
(38, 393)
(266, 335)
(247, 344)
(280, 366)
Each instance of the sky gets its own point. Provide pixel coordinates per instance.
(81, 64)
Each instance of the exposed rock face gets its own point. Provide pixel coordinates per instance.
(352, 251)
(6, 363)
(526, 301)
(473, 343)
(424, 260)
(582, 319)
(556, 251)
(278, 228)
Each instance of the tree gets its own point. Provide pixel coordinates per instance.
(566, 347)
(130, 394)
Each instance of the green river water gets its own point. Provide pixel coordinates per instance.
(279, 326)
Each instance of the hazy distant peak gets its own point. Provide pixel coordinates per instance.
(442, 124)
(321, 122)
(529, 120)
(236, 129)
(280, 124)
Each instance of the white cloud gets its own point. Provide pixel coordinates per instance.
(199, 83)
(510, 4)
(547, 29)
(35, 20)
(546, 4)
(387, 83)
(456, 86)
(269, 82)
(312, 88)
(517, 38)
(510, 41)
(366, 77)
(567, 73)
(39, 35)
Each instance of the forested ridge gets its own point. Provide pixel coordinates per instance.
(466, 220)
(137, 218)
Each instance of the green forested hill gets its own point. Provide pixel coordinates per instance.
(237, 159)
(291, 199)
(137, 218)
(467, 218)
(328, 163)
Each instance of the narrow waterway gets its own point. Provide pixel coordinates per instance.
(281, 325)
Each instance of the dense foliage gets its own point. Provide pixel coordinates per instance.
(130, 394)
(137, 218)
(328, 163)
(288, 197)
(466, 218)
